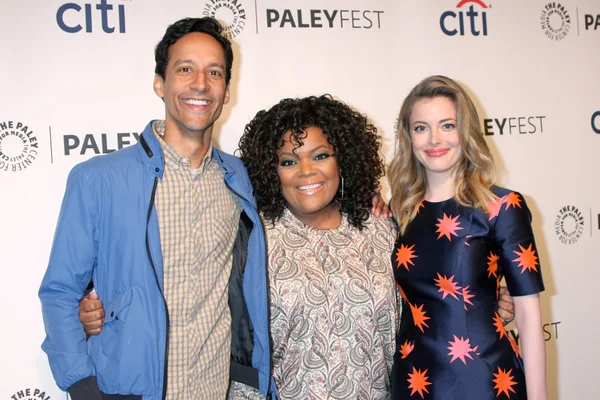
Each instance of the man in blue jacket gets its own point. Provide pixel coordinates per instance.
(169, 234)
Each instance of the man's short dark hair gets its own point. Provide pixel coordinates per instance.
(207, 25)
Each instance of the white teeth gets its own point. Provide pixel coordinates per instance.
(195, 102)
(310, 187)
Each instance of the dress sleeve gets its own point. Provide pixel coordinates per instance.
(518, 257)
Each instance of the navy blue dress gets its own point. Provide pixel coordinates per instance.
(448, 264)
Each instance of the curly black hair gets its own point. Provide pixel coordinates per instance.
(355, 144)
(179, 29)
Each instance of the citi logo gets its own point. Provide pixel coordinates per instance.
(73, 18)
(465, 22)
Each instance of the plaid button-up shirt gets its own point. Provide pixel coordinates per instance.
(198, 219)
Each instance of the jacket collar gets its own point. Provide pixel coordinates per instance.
(218, 156)
(151, 152)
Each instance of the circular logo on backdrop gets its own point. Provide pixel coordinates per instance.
(18, 146)
(230, 13)
(555, 21)
(569, 225)
(30, 394)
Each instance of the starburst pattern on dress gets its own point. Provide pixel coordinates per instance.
(448, 226)
(421, 205)
(499, 326)
(460, 348)
(419, 316)
(404, 256)
(504, 382)
(406, 348)
(447, 286)
(493, 265)
(494, 207)
(527, 258)
(418, 382)
(467, 296)
(512, 200)
(514, 345)
(402, 294)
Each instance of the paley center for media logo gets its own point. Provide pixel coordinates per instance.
(18, 146)
(569, 224)
(30, 394)
(470, 20)
(230, 13)
(73, 17)
(555, 21)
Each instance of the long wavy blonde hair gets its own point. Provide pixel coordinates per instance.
(475, 170)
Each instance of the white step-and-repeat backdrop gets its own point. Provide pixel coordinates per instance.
(77, 82)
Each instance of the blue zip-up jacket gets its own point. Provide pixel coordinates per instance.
(108, 232)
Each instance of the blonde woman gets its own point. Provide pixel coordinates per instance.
(458, 235)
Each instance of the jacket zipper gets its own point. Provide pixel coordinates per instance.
(150, 206)
(268, 296)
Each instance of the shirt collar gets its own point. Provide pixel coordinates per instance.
(173, 158)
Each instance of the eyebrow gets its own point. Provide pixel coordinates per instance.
(189, 61)
(441, 121)
(287, 153)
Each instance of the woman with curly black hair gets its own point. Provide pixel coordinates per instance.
(314, 164)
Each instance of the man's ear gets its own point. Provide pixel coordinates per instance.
(159, 83)
(226, 98)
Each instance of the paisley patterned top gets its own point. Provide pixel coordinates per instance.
(333, 310)
(449, 262)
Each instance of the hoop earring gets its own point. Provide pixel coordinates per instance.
(341, 176)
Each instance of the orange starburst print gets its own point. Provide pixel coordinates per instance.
(419, 316)
(512, 199)
(504, 382)
(527, 258)
(406, 348)
(514, 345)
(493, 265)
(460, 348)
(421, 205)
(494, 207)
(404, 256)
(467, 296)
(402, 294)
(418, 382)
(448, 226)
(499, 326)
(447, 286)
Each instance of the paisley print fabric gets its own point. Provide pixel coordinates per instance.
(333, 310)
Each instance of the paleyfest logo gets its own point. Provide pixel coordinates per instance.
(230, 13)
(555, 21)
(18, 146)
